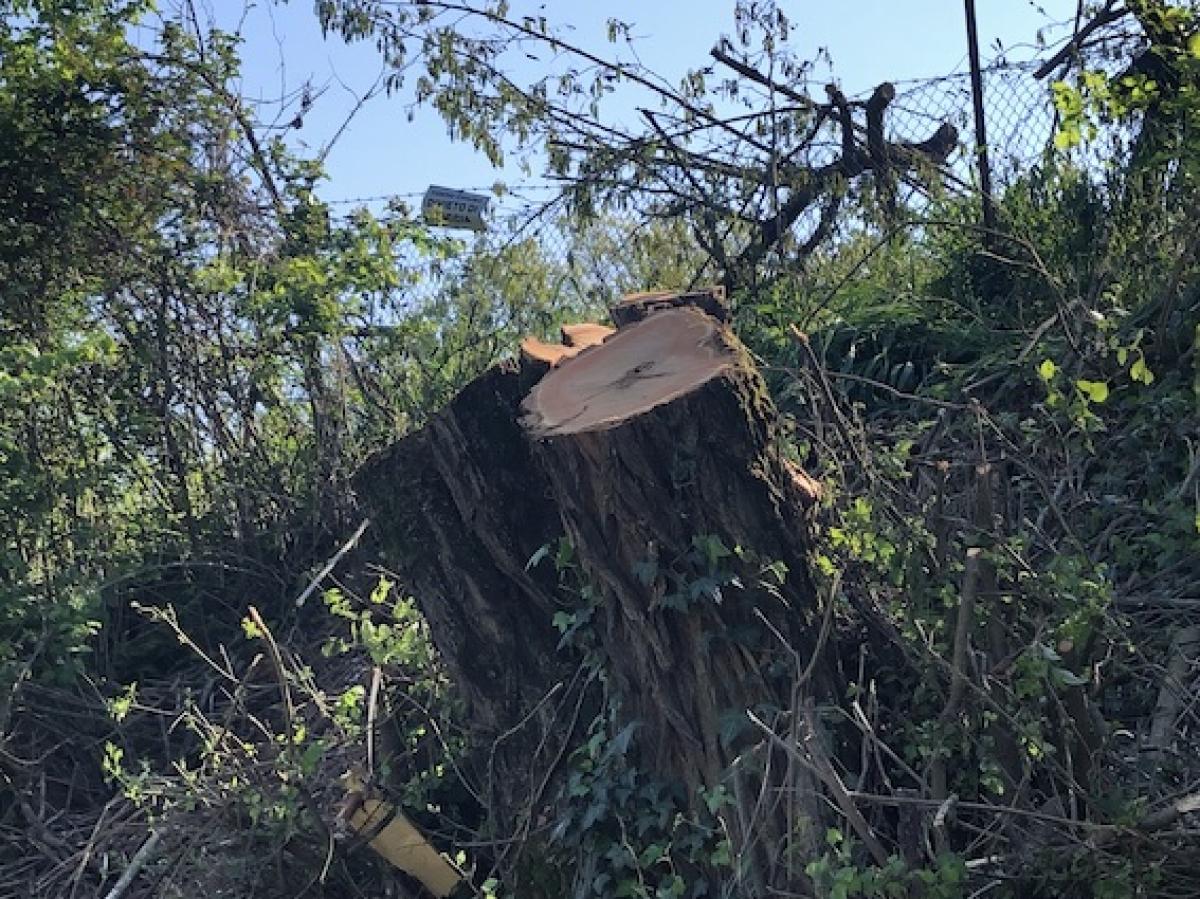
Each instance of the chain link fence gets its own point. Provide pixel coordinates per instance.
(1020, 125)
(1019, 118)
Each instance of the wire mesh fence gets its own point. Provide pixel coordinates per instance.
(1020, 124)
(1019, 118)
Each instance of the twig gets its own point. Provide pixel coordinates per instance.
(1075, 44)
(822, 377)
(86, 855)
(984, 807)
(276, 657)
(806, 669)
(752, 74)
(332, 563)
(958, 685)
(139, 860)
(816, 761)
(962, 633)
(372, 718)
(168, 616)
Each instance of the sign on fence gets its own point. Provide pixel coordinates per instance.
(451, 208)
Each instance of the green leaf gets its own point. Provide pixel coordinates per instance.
(1047, 370)
(778, 570)
(1140, 372)
(673, 887)
(1065, 678)
(311, 756)
(650, 855)
(627, 887)
(380, 593)
(722, 855)
(1096, 391)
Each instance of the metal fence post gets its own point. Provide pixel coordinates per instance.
(981, 144)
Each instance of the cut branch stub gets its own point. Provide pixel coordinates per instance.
(636, 306)
(575, 339)
(585, 335)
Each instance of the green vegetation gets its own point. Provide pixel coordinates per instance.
(197, 353)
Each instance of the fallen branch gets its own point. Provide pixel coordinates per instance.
(332, 563)
(139, 861)
(1180, 659)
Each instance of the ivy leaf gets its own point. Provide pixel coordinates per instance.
(620, 743)
(722, 855)
(733, 724)
(1065, 678)
(646, 571)
(650, 855)
(593, 814)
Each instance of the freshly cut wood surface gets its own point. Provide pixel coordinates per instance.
(534, 350)
(575, 339)
(395, 838)
(639, 367)
(586, 334)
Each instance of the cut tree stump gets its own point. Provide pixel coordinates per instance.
(656, 451)
(658, 441)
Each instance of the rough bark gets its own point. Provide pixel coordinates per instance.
(681, 449)
(656, 451)
(459, 510)
(637, 306)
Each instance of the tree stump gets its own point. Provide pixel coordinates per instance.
(662, 454)
(655, 449)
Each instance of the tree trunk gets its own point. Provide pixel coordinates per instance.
(460, 509)
(661, 452)
(656, 451)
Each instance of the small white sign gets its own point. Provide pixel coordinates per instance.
(451, 208)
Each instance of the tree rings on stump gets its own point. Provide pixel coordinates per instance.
(642, 366)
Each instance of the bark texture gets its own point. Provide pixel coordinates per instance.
(655, 450)
(643, 487)
(459, 510)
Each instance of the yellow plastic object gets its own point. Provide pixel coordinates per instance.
(402, 844)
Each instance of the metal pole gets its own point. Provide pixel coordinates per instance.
(981, 144)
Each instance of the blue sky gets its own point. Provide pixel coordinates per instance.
(382, 152)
